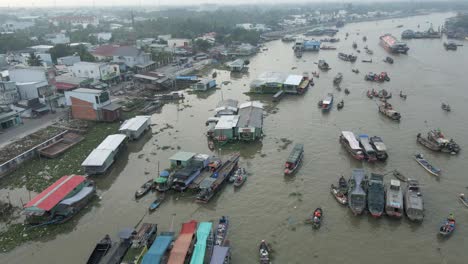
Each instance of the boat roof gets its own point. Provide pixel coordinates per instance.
(251, 115)
(364, 139)
(395, 183)
(112, 142)
(158, 249)
(358, 175)
(85, 191)
(327, 99)
(219, 254)
(295, 153)
(55, 193)
(293, 80)
(203, 231)
(182, 244)
(135, 123)
(182, 156)
(349, 136)
(378, 143)
(227, 122)
(97, 157)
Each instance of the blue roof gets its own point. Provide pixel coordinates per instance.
(219, 254)
(203, 231)
(158, 249)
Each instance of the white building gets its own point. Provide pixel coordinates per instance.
(103, 36)
(131, 56)
(96, 71)
(68, 60)
(57, 38)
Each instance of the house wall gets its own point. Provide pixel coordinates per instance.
(86, 70)
(69, 60)
(82, 109)
(8, 93)
(31, 90)
(87, 97)
(27, 75)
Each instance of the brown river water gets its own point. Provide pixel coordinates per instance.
(272, 207)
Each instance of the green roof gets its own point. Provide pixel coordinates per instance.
(182, 156)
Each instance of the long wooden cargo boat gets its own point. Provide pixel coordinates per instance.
(414, 204)
(356, 191)
(100, 250)
(54, 150)
(183, 246)
(394, 199)
(348, 140)
(294, 160)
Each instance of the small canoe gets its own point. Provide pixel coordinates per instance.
(316, 218)
(100, 250)
(264, 253)
(447, 227)
(400, 176)
(144, 189)
(156, 203)
(426, 165)
(463, 200)
(339, 196)
(240, 179)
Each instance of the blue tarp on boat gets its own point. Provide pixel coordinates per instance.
(219, 254)
(158, 249)
(187, 78)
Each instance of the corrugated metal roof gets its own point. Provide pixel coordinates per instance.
(250, 116)
(86, 90)
(256, 104)
(112, 142)
(227, 122)
(97, 157)
(51, 196)
(293, 80)
(181, 245)
(182, 155)
(135, 123)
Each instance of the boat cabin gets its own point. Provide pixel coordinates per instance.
(159, 250)
(184, 244)
(102, 157)
(135, 127)
(394, 201)
(221, 255)
(204, 85)
(367, 147)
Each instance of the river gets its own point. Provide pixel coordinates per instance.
(272, 207)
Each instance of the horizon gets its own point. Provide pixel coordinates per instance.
(169, 3)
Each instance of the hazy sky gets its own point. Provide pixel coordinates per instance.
(37, 3)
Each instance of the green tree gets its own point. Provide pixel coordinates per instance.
(60, 50)
(201, 45)
(34, 60)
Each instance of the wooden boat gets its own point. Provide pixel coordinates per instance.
(387, 110)
(414, 205)
(340, 105)
(379, 147)
(400, 176)
(355, 70)
(240, 178)
(370, 95)
(221, 255)
(211, 185)
(368, 150)
(294, 160)
(66, 142)
(427, 143)
(222, 231)
(316, 218)
(211, 145)
(367, 61)
(394, 199)
(447, 146)
(389, 60)
(264, 253)
(356, 191)
(462, 199)
(348, 140)
(338, 78)
(316, 74)
(346, 91)
(119, 249)
(448, 226)
(324, 47)
(426, 165)
(327, 103)
(156, 203)
(100, 250)
(376, 195)
(160, 249)
(347, 57)
(364, 38)
(370, 52)
(323, 65)
(403, 96)
(144, 189)
(338, 194)
(354, 45)
(238, 172)
(446, 107)
(141, 240)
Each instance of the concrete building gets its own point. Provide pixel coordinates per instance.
(181, 158)
(96, 71)
(68, 60)
(237, 66)
(57, 38)
(103, 37)
(91, 104)
(225, 129)
(104, 52)
(133, 57)
(8, 93)
(9, 119)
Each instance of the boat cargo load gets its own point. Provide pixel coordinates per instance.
(391, 43)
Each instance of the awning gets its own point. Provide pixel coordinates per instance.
(79, 196)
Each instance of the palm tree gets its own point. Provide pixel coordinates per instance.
(34, 60)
